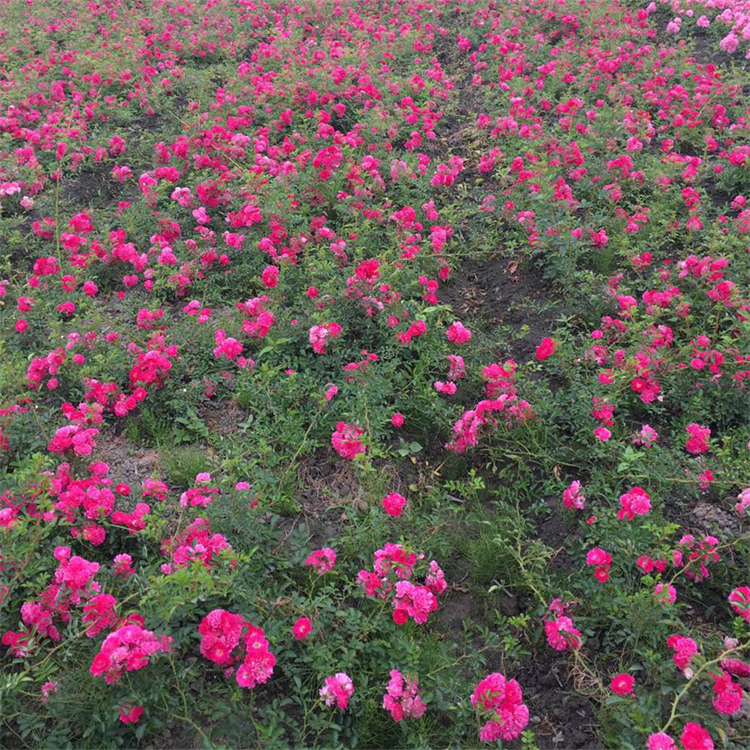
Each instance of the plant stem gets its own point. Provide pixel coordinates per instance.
(691, 681)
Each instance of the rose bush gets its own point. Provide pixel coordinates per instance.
(374, 374)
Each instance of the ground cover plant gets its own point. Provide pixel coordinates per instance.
(374, 373)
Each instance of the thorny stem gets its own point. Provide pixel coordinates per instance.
(727, 545)
(192, 724)
(460, 659)
(185, 707)
(691, 681)
(519, 557)
(582, 664)
(293, 461)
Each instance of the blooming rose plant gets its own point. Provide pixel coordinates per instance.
(375, 373)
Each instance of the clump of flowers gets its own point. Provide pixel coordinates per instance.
(226, 347)
(648, 564)
(130, 714)
(222, 633)
(410, 600)
(135, 521)
(545, 350)
(735, 667)
(415, 330)
(393, 504)
(458, 334)
(469, 427)
(573, 497)
(75, 438)
(695, 737)
(456, 367)
(128, 648)
(257, 666)
(155, 488)
(402, 698)
(75, 573)
(601, 561)
(695, 557)
(739, 600)
(684, 649)
(602, 434)
(201, 495)
(727, 694)
(413, 601)
(197, 543)
(622, 684)
(338, 689)
(500, 705)
(258, 318)
(83, 502)
(99, 614)
(320, 335)
(665, 593)
(49, 688)
(321, 560)
(74, 584)
(560, 629)
(635, 502)
(302, 628)
(393, 559)
(646, 437)
(502, 403)
(661, 741)
(345, 441)
(697, 440)
(447, 389)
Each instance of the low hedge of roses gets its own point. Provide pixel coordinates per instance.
(363, 363)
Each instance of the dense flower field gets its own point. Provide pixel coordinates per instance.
(374, 373)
